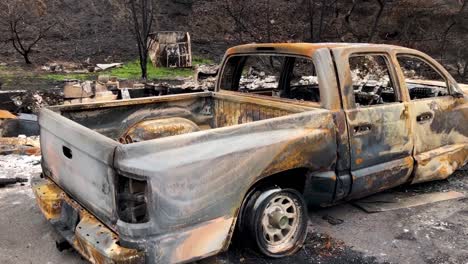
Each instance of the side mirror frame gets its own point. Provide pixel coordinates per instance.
(458, 95)
(456, 92)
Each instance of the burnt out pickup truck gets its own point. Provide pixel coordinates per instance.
(171, 179)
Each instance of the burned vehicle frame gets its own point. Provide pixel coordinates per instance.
(170, 179)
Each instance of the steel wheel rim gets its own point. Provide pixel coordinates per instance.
(280, 221)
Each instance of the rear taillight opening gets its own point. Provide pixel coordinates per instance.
(132, 204)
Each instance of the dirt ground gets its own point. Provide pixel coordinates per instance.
(434, 234)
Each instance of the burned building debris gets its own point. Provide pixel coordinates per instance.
(171, 49)
(9, 181)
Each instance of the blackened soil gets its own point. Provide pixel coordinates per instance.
(319, 248)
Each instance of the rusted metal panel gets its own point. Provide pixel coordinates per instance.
(258, 149)
(229, 113)
(80, 161)
(97, 243)
(380, 177)
(440, 163)
(301, 49)
(114, 118)
(202, 240)
(6, 115)
(158, 128)
(440, 142)
(447, 125)
(328, 83)
(377, 151)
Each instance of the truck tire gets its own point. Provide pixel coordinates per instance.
(275, 221)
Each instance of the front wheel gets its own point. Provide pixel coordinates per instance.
(276, 220)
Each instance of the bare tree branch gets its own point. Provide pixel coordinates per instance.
(27, 23)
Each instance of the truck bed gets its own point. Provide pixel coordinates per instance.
(82, 153)
(206, 110)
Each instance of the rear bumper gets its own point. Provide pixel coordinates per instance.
(92, 239)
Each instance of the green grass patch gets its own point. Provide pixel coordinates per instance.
(69, 76)
(132, 71)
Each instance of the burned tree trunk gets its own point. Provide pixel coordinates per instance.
(311, 8)
(322, 17)
(142, 13)
(382, 4)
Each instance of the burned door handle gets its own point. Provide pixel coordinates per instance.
(361, 129)
(424, 117)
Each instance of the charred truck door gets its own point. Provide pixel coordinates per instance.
(378, 121)
(438, 114)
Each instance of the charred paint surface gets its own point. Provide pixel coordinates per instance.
(200, 153)
(260, 136)
(258, 149)
(114, 119)
(381, 177)
(395, 131)
(440, 163)
(90, 237)
(159, 128)
(73, 159)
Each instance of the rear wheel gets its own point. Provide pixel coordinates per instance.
(276, 221)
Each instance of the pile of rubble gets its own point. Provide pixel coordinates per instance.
(18, 138)
(28, 101)
(104, 89)
(78, 68)
(108, 88)
(19, 134)
(17, 169)
(20, 145)
(203, 80)
(257, 81)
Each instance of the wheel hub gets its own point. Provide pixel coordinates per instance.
(280, 221)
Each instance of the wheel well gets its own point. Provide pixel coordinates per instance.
(293, 178)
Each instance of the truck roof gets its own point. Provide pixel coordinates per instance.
(301, 49)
